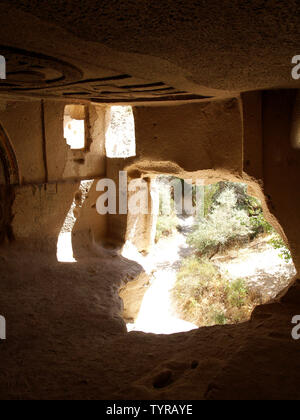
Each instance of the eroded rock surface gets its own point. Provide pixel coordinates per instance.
(67, 317)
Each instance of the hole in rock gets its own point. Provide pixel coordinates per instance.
(212, 260)
(64, 242)
(163, 379)
(120, 133)
(74, 126)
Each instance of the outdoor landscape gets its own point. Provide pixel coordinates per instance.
(213, 268)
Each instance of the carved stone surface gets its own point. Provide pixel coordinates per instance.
(30, 73)
(235, 46)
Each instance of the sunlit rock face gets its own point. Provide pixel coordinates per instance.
(120, 134)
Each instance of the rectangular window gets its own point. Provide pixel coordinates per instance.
(74, 126)
(120, 135)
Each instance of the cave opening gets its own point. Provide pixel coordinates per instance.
(64, 247)
(75, 126)
(208, 267)
(120, 132)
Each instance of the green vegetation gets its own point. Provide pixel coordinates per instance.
(226, 224)
(209, 193)
(278, 243)
(206, 298)
(231, 219)
(166, 225)
(260, 225)
(167, 221)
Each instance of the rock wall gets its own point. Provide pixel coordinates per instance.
(45, 301)
(244, 141)
(190, 141)
(50, 173)
(214, 140)
(282, 163)
(252, 134)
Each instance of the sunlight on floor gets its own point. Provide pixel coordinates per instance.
(65, 248)
(156, 314)
(64, 242)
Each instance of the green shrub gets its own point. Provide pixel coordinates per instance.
(194, 277)
(220, 319)
(166, 225)
(237, 293)
(231, 218)
(167, 221)
(206, 298)
(225, 224)
(278, 243)
(260, 225)
(240, 192)
(210, 192)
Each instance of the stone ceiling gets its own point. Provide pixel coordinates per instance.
(141, 50)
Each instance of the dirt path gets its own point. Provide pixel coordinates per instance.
(156, 313)
(260, 266)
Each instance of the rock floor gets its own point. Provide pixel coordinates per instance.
(66, 340)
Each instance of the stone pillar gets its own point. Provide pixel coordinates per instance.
(282, 164)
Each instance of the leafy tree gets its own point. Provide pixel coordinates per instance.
(278, 243)
(223, 225)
